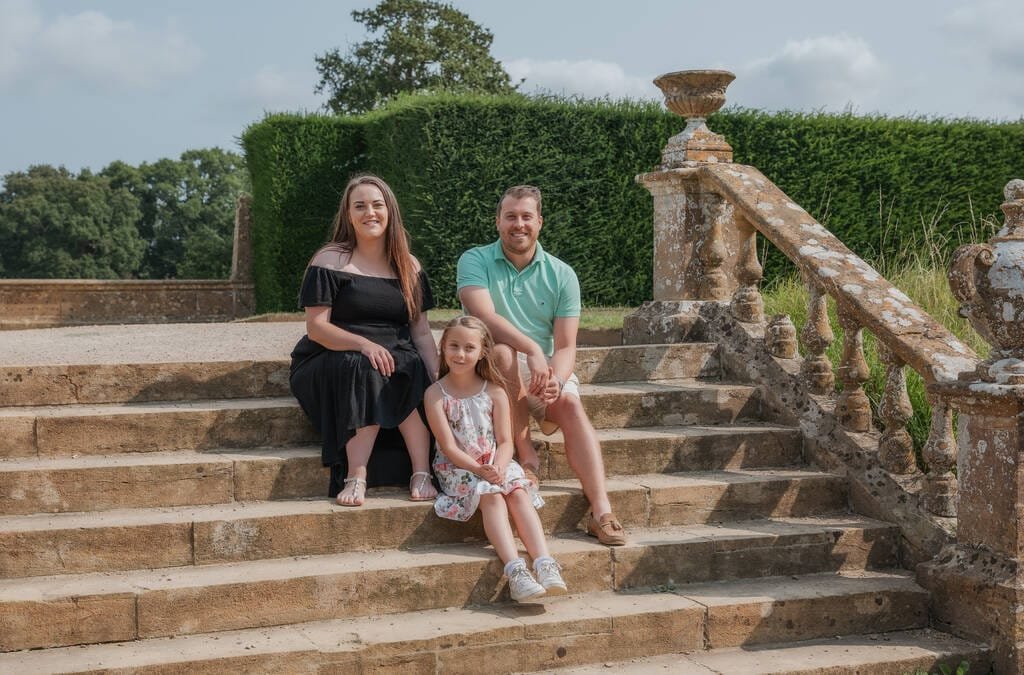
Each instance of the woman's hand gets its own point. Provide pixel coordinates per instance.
(379, 357)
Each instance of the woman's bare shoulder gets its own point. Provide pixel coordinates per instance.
(331, 257)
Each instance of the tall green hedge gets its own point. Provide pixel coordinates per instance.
(450, 157)
(299, 168)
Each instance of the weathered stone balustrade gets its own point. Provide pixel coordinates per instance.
(708, 212)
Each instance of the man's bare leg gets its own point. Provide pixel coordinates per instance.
(583, 450)
(508, 363)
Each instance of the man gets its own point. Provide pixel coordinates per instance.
(530, 301)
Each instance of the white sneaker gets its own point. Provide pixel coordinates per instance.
(549, 574)
(522, 585)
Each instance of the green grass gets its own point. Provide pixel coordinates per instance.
(592, 318)
(928, 288)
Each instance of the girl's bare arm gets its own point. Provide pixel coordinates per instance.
(433, 403)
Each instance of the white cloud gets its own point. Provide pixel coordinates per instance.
(273, 89)
(592, 79)
(830, 72)
(89, 48)
(988, 34)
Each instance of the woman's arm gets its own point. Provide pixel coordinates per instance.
(320, 330)
(424, 341)
(433, 404)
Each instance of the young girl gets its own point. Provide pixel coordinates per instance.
(468, 411)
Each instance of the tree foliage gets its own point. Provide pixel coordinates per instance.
(54, 224)
(187, 209)
(161, 220)
(417, 45)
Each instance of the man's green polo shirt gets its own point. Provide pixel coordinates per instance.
(531, 300)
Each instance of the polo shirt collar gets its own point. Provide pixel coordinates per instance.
(538, 256)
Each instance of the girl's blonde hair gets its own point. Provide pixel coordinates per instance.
(485, 367)
(396, 240)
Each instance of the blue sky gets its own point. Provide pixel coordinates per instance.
(84, 83)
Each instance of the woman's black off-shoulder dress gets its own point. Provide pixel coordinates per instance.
(340, 391)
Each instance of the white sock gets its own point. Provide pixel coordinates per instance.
(513, 565)
(542, 559)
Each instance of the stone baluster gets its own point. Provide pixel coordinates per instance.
(815, 337)
(853, 407)
(747, 304)
(896, 448)
(976, 584)
(940, 484)
(781, 337)
(710, 253)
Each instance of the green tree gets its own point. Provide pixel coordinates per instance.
(417, 45)
(188, 208)
(54, 224)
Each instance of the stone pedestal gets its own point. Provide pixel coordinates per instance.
(977, 585)
(696, 238)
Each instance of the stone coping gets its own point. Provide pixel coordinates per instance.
(174, 343)
(918, 339)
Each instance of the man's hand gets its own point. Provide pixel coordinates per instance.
(540, 373)
(553, 389)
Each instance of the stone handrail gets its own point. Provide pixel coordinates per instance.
(708, 212)
(907, 330)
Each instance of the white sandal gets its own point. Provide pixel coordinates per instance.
(357, 491)
(418, 481)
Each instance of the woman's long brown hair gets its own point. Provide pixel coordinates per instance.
(396, 240)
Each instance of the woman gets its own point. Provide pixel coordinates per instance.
(368, 354)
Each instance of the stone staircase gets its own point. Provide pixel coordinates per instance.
(168, 517)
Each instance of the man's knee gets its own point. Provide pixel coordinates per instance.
(506, 359)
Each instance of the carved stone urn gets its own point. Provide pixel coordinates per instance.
(988, 280)
(695, 94)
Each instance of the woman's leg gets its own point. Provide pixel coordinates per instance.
(358, 451)
(528, 524)
(417, 440)
(497, 528)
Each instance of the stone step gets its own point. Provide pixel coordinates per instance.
(72, 609)
(91, 383)
(36, 545)
(922, 650)
(102, 482)
(47, 431)
(580, 629)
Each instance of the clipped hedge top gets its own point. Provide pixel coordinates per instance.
(874, 181)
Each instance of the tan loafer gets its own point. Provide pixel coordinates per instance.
(547, 427)
(608, 530)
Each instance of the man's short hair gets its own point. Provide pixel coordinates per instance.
(519, 192)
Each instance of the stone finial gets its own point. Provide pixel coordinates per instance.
(988, 280)
(695, 94)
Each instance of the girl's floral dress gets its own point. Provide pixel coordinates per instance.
(472, 426)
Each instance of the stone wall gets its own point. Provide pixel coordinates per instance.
(47, 303)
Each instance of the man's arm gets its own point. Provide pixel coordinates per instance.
(477, 301)
(563, 361)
